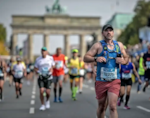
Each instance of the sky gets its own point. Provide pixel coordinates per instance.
(100, 8)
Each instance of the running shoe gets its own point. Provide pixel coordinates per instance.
(144, 89)
(17, 96)
(20, 93)
(74, 98)
(60, 100)
(42, 108)
(126, 107)
(47, 105)
(55, 99)
(119, 103)
(80, 91)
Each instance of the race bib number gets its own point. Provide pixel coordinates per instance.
(126, 75)
(1, 74)
(59, 64)
(74, 71)
(108, 73)
(148, 64)
(81, 71)
(19, 74)
(45, 71)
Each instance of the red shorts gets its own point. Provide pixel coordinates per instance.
(101, 88)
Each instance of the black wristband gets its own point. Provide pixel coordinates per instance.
(95, 58)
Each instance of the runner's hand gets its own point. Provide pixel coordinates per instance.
(119, 60)
(101, 59)
(140, 81)
(94, 71)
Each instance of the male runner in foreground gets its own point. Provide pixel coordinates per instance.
(107, 54)
(44, 67)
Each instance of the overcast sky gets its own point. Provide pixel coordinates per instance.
(101, 8)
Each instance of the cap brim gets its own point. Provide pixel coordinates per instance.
(108, 28)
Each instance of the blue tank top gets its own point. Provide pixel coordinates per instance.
(110, 70)
(126, 71)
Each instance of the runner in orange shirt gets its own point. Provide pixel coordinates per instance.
(58, 73)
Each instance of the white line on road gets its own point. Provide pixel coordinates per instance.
(33, 92)
(92, 88)
(33, 96)
(32, 102)
(142, 108)
(85, 86)
(31, 111)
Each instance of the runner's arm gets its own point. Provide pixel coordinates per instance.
(135, 72)
(144, 66)
(125, 55)
(89, 56)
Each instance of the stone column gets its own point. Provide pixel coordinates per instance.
(66, 46)
(30, 47)
(14, 44)
(83, 45)
(46, 41)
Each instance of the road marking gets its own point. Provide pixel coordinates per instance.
(142, 108)
(32, 102)
(92, 88)
(33, 96)
(33, 92)
(31, 111)
(85, 86)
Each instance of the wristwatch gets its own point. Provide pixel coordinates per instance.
(95, 58)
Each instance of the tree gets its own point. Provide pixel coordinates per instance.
(3, 50)
(2, 33)
(142, 12)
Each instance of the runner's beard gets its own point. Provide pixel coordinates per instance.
(108, 38)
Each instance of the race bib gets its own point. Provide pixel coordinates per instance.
(28, 70)
(108, 73)
(126, 75)
(81, 71)
(45, 71)
(59, 64)
(8, 69)
(148, 64)
(19, 74)
(1, 74)
(74, 71)
(32, 67)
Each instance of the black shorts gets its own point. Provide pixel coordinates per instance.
(1, 78)
(81, 76)
(74, 76)
(147, 77)
(44, 83)
(18, 80)
(28, 73)
(126, 82)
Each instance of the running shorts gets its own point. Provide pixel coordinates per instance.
(18, 80)
(44, 83)
(126, 82)
(1, 78)
(57, 78)
(102, 88)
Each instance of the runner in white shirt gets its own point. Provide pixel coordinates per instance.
(44, 67)
(18, 73)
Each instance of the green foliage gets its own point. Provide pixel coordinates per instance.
(2, 33)
(130, 34)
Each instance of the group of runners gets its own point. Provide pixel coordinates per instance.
(113, 72)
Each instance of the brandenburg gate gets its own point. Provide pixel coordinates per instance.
(53, 24)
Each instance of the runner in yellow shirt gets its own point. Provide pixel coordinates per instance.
(74, 72)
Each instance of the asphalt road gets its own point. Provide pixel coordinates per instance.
(27, 106)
